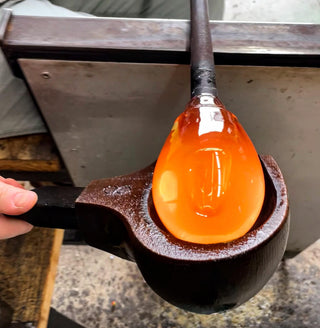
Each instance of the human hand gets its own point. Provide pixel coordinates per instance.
(14, 200)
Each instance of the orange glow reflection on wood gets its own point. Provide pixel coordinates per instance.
(208, 183)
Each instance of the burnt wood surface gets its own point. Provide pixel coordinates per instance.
(117, 215)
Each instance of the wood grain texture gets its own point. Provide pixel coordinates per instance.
(28, 267)
(50, 278)
(29, 153)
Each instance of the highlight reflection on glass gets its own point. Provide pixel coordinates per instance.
(208, 184)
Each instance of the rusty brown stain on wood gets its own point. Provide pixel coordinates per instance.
(28, 265)
(29, 153)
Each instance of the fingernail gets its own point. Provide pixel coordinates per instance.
(22, 199)
(28, 227)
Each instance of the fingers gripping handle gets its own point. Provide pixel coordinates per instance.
(55, 208)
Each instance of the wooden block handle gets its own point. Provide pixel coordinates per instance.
(55, 208)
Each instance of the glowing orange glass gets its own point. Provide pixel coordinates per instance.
(208, 183)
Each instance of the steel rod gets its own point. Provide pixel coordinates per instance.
(202, 64)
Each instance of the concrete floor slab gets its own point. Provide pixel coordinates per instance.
(98, 290)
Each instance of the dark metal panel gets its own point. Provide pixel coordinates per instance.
(57, 177)
(159, 41)
(157, 34)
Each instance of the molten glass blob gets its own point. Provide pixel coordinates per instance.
(208, 183)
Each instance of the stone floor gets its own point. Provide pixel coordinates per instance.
(98, 290)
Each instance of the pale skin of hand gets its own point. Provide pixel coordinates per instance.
(14, 200)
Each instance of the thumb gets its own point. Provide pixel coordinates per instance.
(14, 200)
